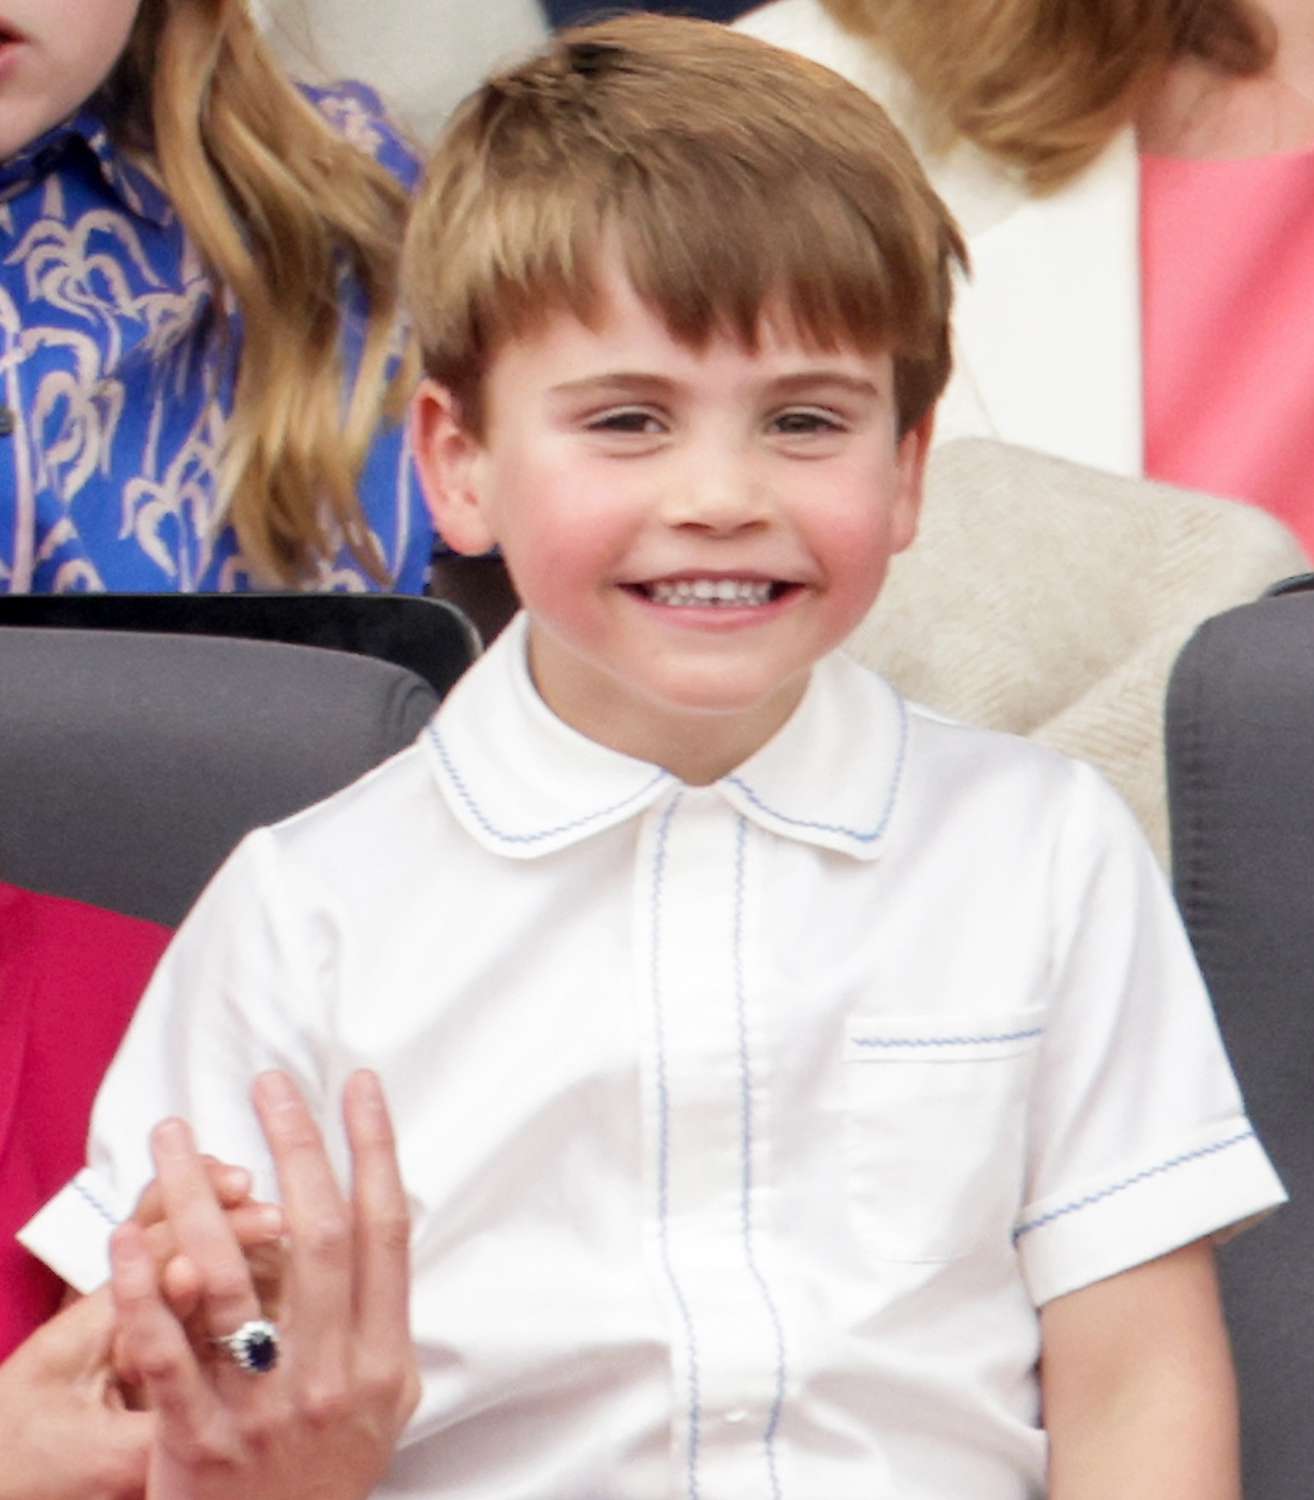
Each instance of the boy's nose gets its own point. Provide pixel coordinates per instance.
(716, 497)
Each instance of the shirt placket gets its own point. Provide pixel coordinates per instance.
(705, 1080)
(18, 547)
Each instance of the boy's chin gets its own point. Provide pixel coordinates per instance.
(740, 718)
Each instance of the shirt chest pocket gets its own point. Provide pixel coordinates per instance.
(935, 1130)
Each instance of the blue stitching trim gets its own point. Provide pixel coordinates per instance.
(948, 1041)
(853, 833)
(1133, 1181)
(664, 1149)
(489, 827)
(746, 1156)
(79, 1187)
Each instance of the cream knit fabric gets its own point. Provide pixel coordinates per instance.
(421, 56)
(1051, 601)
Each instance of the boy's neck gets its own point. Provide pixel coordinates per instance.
(698, 748)
(700, 753)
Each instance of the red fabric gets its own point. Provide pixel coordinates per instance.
(70, 978)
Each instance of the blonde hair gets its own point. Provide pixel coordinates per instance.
(1045, 84)
(281, 210)
(735, 178)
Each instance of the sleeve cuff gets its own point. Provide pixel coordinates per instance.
(1219, 1180)
(71, 1233)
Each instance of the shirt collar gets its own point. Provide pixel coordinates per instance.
(523, 783)
(86, 130)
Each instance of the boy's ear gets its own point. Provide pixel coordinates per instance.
(914, 450)
(447, 455)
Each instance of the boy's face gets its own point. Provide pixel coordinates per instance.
(688, 531)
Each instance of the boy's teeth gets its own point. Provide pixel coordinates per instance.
(714, 591)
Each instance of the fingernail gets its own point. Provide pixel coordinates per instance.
(275, 1090)
(236, 1181)
(172, 1137)
(368, 1087)
(269, 1220)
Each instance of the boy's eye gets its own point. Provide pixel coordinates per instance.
(805, 421)
(627, 419)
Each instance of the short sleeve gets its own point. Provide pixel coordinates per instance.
(234, 994)
(1139, 1137)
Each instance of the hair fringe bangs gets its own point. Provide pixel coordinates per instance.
(829, 272)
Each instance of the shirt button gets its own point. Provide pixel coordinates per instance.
(7, 421)
(737, 1415)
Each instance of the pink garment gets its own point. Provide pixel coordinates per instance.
(70, 976)
(1227, 282)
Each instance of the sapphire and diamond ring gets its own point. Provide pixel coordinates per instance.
(254, 1347)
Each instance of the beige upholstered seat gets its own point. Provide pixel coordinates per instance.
(1050, 600)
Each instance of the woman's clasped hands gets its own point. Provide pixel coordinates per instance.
(308, 1404)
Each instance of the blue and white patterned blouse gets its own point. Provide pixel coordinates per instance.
(111, 419)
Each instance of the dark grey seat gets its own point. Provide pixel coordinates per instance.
(1240, 730)
(131, 762)
(433, 637)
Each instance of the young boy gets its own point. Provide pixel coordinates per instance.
(799, 1095)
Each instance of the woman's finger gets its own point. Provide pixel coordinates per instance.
(319, 1238)
(155, 1346)
(232, 1186)
(382, 1237)
(201, 1228)
(255, 1226)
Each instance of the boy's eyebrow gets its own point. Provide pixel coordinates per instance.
(808, 380)
(621, 381)
(624, 382)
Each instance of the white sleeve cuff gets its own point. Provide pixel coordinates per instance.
(1219, 1178)
(71, 1233)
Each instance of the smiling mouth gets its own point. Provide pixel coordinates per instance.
(714, 593)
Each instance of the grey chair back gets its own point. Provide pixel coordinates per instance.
(433, 637)
(1240, 739)
(131, 763)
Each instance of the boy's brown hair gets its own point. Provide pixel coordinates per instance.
(735, 179)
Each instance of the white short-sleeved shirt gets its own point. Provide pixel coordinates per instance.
(747, 1126)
